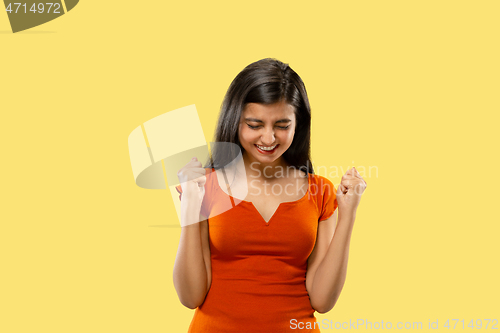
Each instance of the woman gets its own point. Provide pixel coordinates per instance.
(280, 254)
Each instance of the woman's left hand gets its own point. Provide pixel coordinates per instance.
(349, 192)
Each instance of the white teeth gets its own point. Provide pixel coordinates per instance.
(266, 148)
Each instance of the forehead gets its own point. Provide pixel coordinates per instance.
(269, 111)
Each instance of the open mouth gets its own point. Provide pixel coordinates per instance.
(266, 149)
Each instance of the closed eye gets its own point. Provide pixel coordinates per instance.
(280, 127)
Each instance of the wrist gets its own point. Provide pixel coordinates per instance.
(347, 216)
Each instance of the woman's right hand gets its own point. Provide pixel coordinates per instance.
(192, 178)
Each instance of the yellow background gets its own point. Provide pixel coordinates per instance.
(409, 87)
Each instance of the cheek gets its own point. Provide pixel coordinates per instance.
(245, 135)
(287, 136)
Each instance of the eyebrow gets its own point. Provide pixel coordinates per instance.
(285, 120)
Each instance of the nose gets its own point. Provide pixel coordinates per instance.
(267, 137)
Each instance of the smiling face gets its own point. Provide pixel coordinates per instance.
(266, 131)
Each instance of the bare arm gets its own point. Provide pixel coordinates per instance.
(327, 265)
(327, 268)
(192, 267)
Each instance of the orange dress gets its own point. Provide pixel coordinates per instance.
(258, 268)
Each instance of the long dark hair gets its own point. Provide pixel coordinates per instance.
(266, 81)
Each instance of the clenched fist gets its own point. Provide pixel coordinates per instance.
(192, 178)
(349, 192)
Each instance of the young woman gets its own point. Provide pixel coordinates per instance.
(280, 253)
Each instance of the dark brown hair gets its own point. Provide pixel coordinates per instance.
(266, 81)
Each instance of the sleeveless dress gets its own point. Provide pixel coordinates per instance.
(258, 268)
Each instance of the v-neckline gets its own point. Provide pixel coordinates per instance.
(233, 199)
